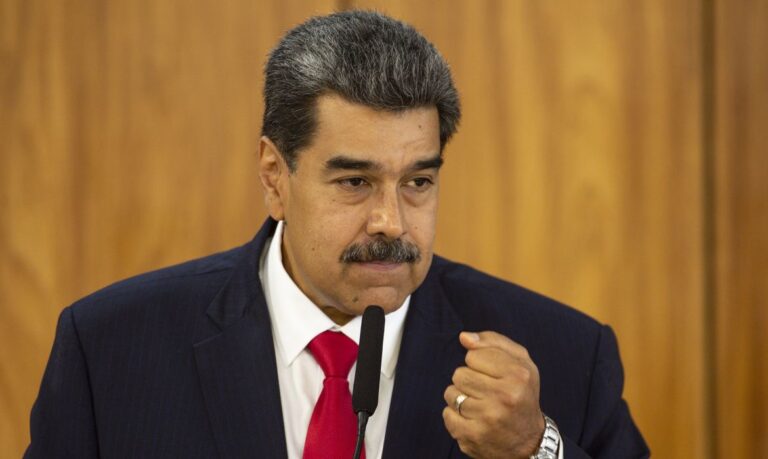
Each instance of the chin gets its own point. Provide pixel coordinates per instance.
(389, 299)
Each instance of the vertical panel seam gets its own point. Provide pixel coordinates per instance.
(708, 106)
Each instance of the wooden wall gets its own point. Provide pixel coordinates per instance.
(612, 155)
(740, 220)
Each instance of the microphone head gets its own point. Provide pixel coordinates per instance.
(365, 393)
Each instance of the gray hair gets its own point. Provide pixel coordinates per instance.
(363, 56)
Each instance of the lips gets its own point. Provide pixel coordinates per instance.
(380, 265)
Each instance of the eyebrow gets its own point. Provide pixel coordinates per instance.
(434, 162)
(341, 162)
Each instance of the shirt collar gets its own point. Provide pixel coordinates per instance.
(296, 320)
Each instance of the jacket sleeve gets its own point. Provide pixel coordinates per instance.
(62, 423)
(609, 432)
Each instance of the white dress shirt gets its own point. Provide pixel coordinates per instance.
(295, 322)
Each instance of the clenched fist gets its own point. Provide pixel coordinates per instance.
(500, 418)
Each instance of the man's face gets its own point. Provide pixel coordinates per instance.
(368, 177)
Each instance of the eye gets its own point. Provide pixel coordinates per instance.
(420, 183)
(352, 182)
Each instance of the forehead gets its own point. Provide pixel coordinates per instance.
(393, 139)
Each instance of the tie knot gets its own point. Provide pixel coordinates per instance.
(334, 352)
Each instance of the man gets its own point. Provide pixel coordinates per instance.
(238, 354)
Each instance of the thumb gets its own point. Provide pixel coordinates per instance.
(469, 340)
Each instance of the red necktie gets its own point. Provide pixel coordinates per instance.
(333, 427)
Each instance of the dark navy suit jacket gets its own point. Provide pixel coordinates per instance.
(180, 363)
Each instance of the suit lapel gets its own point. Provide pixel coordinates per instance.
(236, 367)
(238, 373)
(429, 354)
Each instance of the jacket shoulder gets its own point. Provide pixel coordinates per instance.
(176, 289)
(480, 297)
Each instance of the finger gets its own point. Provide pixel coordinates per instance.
(486, 339)
(467, 406)
(450, 394)
(459, 427)
(496, 363)
(473, 383)
(452, 423)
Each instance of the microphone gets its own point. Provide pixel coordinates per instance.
(365, 393)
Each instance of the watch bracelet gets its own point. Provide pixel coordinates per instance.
(550, 441)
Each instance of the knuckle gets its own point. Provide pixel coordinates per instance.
(462, 373)
(524, 352)
(450, 426)
(524, 374)
(451, 433)
(473, 437)
(497, 356)
(511, 396)
(494, 418)
(459, 375)
(464, 447)
(534, 371)
(455, 377)
(468, 443)
(488, 335)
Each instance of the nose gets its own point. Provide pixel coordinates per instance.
(386, 216)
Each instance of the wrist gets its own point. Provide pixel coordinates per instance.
(550, 444)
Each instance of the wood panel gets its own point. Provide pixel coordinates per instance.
(741, 235)
(129, 131)
(577, 172)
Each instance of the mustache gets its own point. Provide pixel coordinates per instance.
(382, 250)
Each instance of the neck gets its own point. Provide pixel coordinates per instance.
(338, 317)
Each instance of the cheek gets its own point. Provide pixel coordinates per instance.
(423, 227)
(331, 233)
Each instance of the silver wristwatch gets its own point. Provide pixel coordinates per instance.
(550, 442)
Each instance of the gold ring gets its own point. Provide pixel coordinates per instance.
(459, 400)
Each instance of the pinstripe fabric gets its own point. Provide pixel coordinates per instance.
(180, 363)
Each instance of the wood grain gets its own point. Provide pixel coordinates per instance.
(129, 131)
(741, 231)
(584, 169)
(577, 172)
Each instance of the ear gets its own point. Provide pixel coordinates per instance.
(273, 172)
